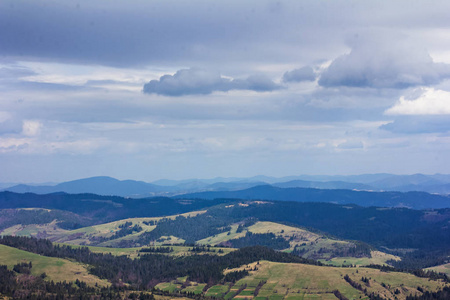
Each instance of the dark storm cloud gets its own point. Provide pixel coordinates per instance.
(380, 61)
(197, 81)
(134, 33)
(139, 33)
(298, 75)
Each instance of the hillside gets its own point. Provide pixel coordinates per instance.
(295, 281)
(95, 185)
(445, 268)
(253, 272)
(419, 237)
(272, 280)
(414, 200)
(56, 269)
(87, 209)
(103, 185)
(132, 231)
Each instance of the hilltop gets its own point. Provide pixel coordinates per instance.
(106, 186)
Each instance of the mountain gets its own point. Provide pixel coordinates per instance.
(396, 181)
(217, 221)
(415, 200)
(101, 185)
(323, 185)
(233, 186)
(102, 208)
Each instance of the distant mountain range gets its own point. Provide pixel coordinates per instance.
(415, 200)
(438, 184)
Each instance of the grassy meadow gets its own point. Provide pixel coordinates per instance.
(283, 281)
(56, 269)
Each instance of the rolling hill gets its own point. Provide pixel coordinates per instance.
(303, 232)
(56, 269)
(97, 209)
(253, 272)
(415, 200)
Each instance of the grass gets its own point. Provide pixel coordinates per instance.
(134, 252)
(83, 235)
(262, 227)
(283, 230)
(298, 281)
(168, 286)
(223, 237)
(174, 285)
(217, 290)
(33, 229)
(57, 269)
(441, 269)
(247, 292)
(316, 246)
(196, 288)
(378, 258)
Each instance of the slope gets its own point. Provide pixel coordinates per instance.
(415, 200)
(56, 269)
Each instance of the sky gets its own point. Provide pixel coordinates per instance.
(147, 90)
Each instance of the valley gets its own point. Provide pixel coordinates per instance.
(227, 248)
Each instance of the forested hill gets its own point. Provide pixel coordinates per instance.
(104, 208)
(414, 200)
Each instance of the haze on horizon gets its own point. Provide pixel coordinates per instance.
(147, 90)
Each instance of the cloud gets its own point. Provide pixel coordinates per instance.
(382, 60)
(31, 128)
(196, 81)
(9, 124)
(418, 125)
(349, 145)
(431, 102)
(298, 75)
(15, 72)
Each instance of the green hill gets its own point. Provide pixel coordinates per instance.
(278, 281)
(445, 268)
(56, 269)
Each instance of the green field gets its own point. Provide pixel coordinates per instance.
(217, 290)
(57, 269)
(283, 281)
(441, 269)
(134, 252)
(176, 285)
(287, 232)
(196, 288)
(85, 235)
(298, 281)
(378, 258)
(168, 286)
(222, 237)
(315, 246)
(34, 229)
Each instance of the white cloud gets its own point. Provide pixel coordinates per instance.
(350, 145)
(31, 128)
(431, 102)
(5, 116)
